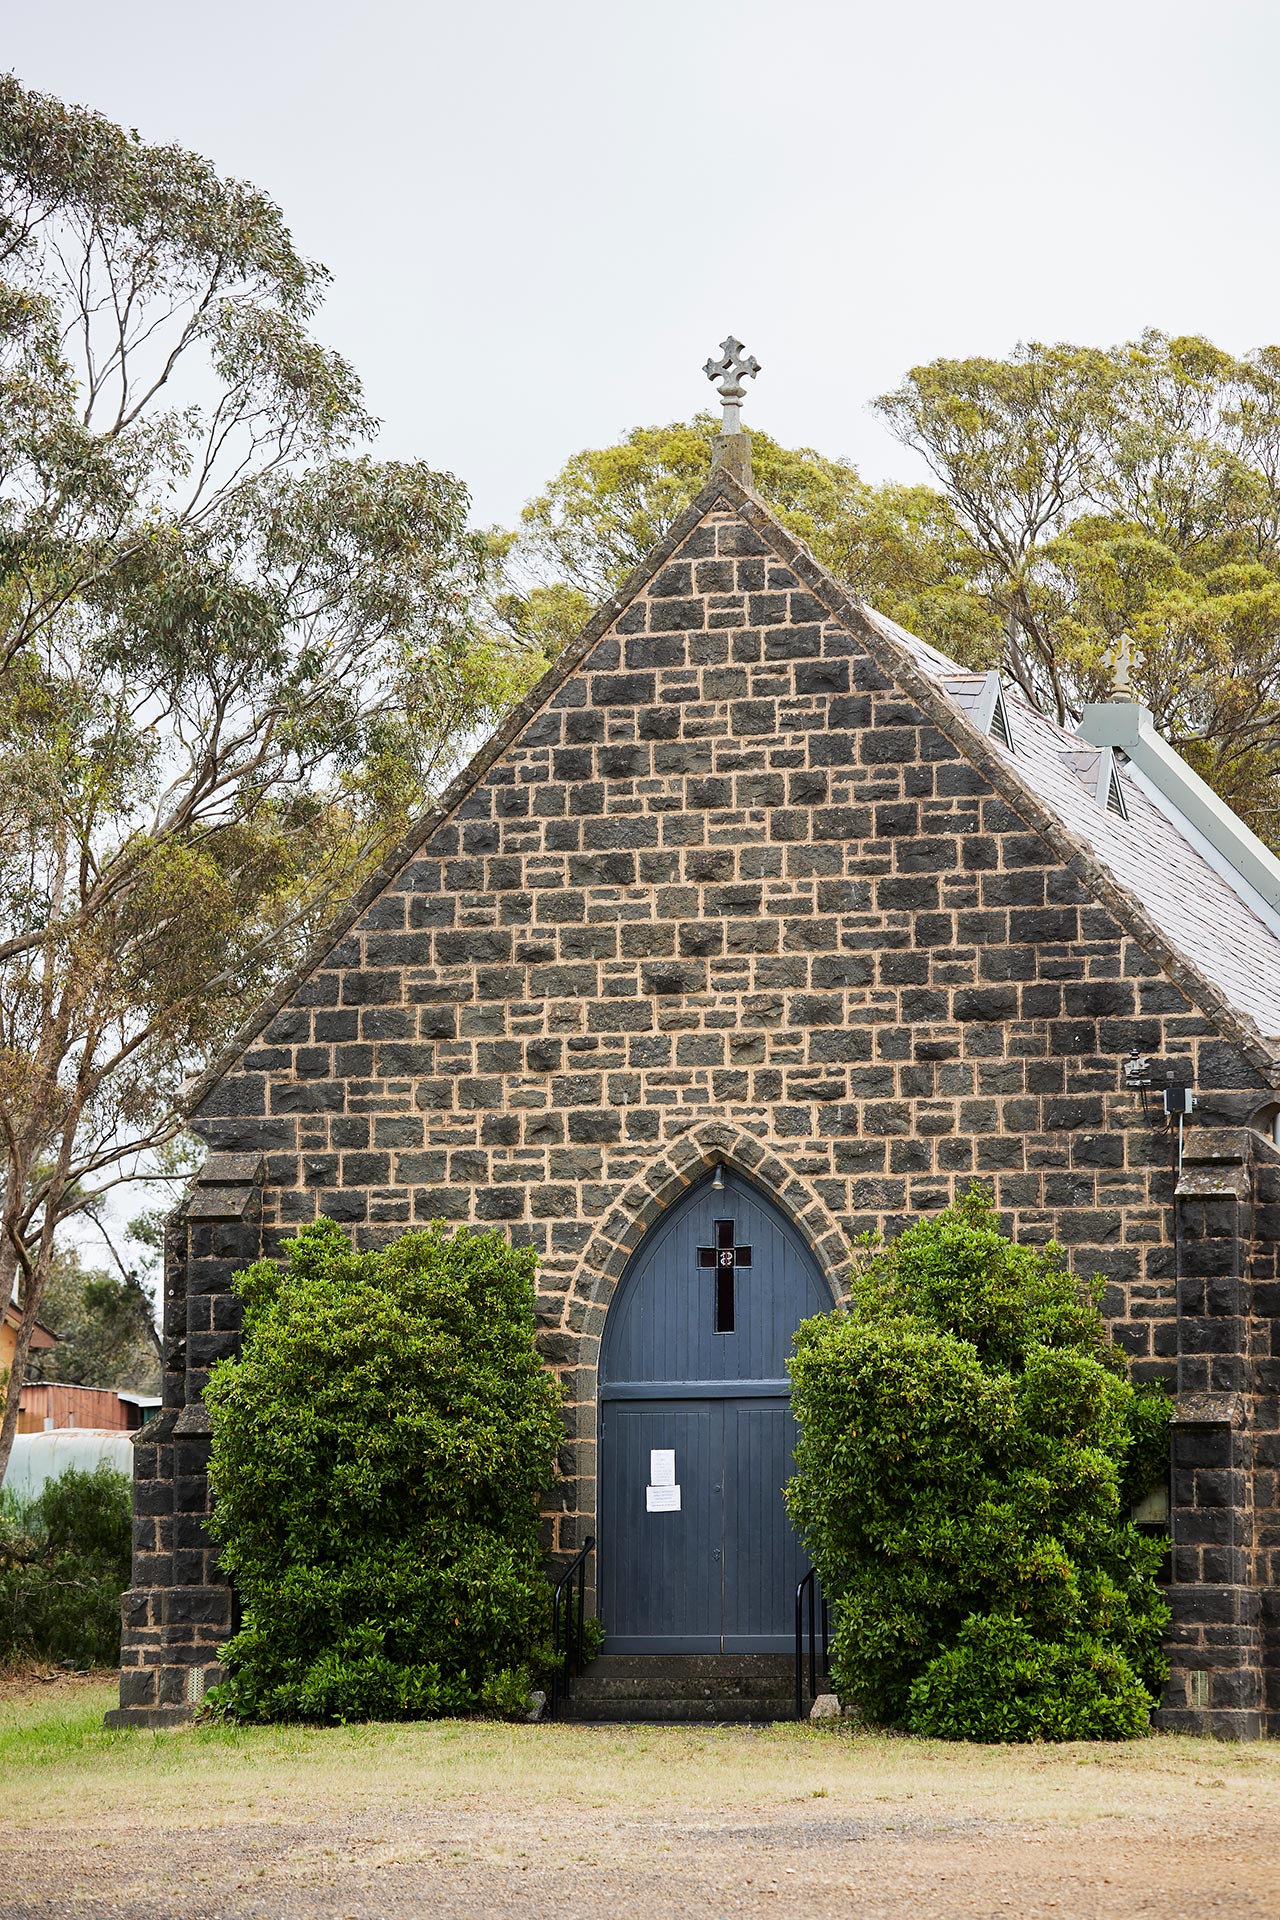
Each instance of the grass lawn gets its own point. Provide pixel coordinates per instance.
(468, 1818)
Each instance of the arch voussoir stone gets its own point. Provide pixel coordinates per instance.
(670, 1172)
(709, 1414)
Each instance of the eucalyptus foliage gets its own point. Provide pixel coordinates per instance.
(1132, 491)
(378, 1455)
(598, 517)
(1081, 495)
(969, 1447)
(236, 652)
(105, 1327)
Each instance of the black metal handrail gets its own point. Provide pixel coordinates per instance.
(567, 1621)
(807, 1593)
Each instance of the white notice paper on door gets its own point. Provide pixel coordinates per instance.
(662, 1466)
(662, 1499)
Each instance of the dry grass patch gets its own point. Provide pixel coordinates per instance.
(469, 1818)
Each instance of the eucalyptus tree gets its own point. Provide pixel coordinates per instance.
(236, 651)
(1129, 491)
(1080, 495)
(596, 519)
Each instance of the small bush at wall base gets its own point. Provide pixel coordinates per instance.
(968, 1448)
(998, 1682)
(64, 1563)
(378, 1452)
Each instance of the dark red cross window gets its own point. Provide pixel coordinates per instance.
(724, 1257)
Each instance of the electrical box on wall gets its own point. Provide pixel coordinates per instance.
(1145, 1073)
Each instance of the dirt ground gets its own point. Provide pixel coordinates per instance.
(454, 1819)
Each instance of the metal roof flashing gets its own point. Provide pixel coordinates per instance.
(1218, 835)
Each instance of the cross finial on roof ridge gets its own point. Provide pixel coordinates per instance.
(730, 370)
(1121, 661)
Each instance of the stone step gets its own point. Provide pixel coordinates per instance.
(692, 1687)
(719, 1713)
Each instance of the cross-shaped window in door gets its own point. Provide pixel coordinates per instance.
(724, 1257)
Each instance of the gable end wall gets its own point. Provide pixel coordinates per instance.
(731, 893)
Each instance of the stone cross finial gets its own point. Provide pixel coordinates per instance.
(1121, 661)
(730, 370)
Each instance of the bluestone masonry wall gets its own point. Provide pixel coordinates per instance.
(731, 893)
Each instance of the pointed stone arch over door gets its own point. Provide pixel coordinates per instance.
(696, 1553)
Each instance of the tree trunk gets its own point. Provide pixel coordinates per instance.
(18, 1367)
(153, 1331)
(14, 1184)
(36, 1272)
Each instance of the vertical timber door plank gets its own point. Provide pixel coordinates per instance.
(662, 1579)
(764, 1559)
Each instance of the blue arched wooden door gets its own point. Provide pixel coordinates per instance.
(696, 1553)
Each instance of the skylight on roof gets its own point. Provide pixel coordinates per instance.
(1115, 792)
(981, 697)
(1095, 768)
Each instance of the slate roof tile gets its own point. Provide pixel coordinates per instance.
(1195, 907)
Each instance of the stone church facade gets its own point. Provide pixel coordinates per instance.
(754, 881)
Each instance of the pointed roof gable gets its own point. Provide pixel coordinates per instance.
(1152, 879)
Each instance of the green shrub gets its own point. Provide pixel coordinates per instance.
(998, 1682)
(378, 1453)
(64, 1563)
(968, 1446)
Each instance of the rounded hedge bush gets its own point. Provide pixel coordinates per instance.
(969, 1446)
(378, 1454)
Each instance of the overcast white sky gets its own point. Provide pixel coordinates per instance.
(542, 217)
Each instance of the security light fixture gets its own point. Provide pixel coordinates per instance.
(718, 1183)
